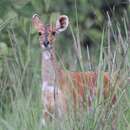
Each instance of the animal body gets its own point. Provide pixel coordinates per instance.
(58, 83)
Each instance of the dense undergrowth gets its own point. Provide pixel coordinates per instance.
(20, 83)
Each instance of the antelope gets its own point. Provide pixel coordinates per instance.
(57, 82)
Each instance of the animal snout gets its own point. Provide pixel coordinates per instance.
(46, 43)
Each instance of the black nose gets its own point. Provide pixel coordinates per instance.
(46, 44)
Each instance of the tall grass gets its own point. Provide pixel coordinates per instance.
(20, 86)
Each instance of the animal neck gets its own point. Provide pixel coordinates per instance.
(50, 68)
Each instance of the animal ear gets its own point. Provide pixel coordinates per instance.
(37, 23)
(62, 23)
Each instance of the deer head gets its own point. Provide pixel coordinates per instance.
(47, 33)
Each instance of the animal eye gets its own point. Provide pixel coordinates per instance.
(53, 33)
(39, 33)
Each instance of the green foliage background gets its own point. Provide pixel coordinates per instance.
(20, 51)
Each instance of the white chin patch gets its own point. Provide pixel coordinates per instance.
(46, 55)
(42, 46)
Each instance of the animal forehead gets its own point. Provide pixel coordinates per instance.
(49, 28)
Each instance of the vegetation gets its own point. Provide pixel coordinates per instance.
(101, 31)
